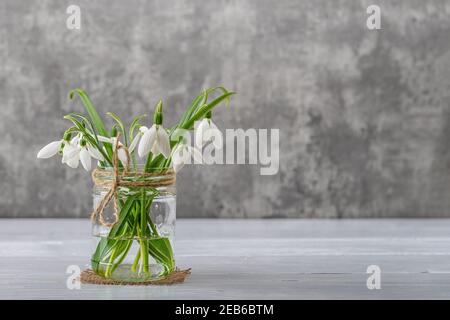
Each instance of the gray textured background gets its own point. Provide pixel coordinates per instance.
(364, 115)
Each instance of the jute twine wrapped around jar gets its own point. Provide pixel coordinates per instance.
(147, 179)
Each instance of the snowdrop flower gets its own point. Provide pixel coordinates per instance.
(85, 158)
(135, 141)
(95, 153)
(156, 138)
(182, 154)
(87, 152)
(70, 150)
(121, 153)
(71, 155)
(50, 149)
(77, 151)
(202, 136)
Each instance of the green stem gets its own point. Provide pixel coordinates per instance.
(133, 223)
(108, 271)
(136, 261)
(122, 255)
(144, 238)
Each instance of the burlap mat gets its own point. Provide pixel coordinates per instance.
(178, 276)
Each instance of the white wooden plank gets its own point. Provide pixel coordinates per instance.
(244, 259)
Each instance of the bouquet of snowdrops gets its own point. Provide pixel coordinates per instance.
(135, 167)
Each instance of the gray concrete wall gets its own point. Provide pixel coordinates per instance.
(364, 115)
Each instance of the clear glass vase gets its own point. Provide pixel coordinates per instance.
(134, 241)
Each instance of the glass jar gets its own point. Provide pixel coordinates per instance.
(134, 232)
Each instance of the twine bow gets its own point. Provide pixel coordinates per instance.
(157, 179)
(112, 192)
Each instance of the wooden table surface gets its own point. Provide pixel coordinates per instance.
(244, 259)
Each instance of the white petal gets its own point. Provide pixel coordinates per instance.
(177, 154)
(134, 142)
(218, 143)
(196, 154)
(177, 158)
(104, 139)
(113, 142)
(75, 140)
(203, 126)
(74, 161)
(49, 150)
(155, 149)
(85, 158)
(147, 141)
(122, 155)
(177, 167)
(69, 151)
(163, 143)
(215, 135)
(143, 129)
(185, 157)
(207, 127)
(95, 153)
(212, 125)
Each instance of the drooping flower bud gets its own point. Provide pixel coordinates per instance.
(67, 136)
(158, 115)
(83, 142)
(114, 131)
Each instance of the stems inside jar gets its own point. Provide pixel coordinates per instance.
(134, 225)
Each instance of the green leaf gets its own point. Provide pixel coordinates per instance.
(97, 122)
(120, 124)
(93, 114)
(88, 135)
(87, 122)
(134, 125)
(198, 101)
(107, 243)
(195, 112)
(80, 127)
(161, 250)
(202, 111)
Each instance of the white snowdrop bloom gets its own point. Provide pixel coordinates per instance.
(95, 153)
(135, 142)
(85, 158)
(155, 140)
(203, 135)
(74, 153)
(121, 153)
(50, 149)
(71, 155)
(182, 154)
(78, 150)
